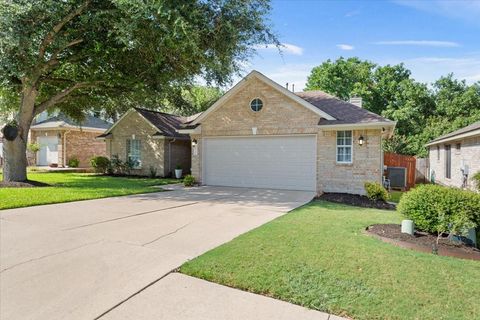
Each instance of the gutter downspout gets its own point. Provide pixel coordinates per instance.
(65, 148)
(170, 154)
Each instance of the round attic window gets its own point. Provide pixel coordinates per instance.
(256, 105)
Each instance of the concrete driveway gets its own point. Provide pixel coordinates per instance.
(82, 260)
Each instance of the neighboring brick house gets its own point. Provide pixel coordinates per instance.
(259, 134)
(455, 157)
(61, 139)
(149, 138)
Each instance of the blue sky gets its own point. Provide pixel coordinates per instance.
(432, 38)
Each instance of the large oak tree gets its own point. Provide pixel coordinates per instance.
(77, 55)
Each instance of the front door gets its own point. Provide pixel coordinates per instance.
(48, 152)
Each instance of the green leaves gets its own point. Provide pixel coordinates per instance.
(131, 50)
(422, 112)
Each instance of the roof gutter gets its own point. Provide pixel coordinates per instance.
(373, 125)
(456, 137)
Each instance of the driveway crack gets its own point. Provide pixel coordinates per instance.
(168, 234)
(49, 255)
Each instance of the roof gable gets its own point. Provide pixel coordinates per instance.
(166, 124)
(257, 75)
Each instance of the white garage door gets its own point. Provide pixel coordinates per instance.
(282, 162)
(48, 152)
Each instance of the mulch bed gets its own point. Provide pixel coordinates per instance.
(422, 241)
(355, 200)
(23, 184)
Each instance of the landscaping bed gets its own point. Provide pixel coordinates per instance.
(422, 241)
(318, 256)
(355, 200)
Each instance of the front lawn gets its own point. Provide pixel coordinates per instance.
(318, 256)
(395, 196)
(75, 186)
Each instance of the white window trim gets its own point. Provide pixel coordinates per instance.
(139, 166)
(337, 146)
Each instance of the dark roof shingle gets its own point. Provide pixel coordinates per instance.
(344, 112)
(166, 123)
(473, 126)
(88, 122)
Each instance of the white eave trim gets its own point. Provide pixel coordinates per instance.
(374, 125)
(454, 138)
(197, 130)
(271, 83)
(67, 127)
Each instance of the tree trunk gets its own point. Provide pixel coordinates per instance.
(15, 166)
(15, 152)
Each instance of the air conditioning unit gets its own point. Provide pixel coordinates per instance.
(397, 176)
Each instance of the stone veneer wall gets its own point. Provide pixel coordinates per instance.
(152, 150)
(469, 152)
(281, 115)
(349, 178)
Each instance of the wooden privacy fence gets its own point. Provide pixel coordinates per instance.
(399, 160)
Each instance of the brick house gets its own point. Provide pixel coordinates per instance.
(150, 140)
(61, 139)
(259, 134)
(455, 157)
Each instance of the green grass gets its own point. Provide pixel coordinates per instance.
(75, 186)
(395, 196)
(318, 256)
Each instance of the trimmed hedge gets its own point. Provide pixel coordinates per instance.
(100, 164)
(375, 191)
(431, 207)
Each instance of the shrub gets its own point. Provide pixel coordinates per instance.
(178, 167)
(476, 179)
(153, 172)
(100, 164)
(439, 209)
(189, 181)
(375, 191)
(73, 162)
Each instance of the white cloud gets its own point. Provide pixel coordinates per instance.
(346, 47)
(466, 10)
(352, 13)
(284, 47)
(426, 43)
(429, 69)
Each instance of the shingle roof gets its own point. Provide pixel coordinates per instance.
(472, 127)
(166, 123)
(344, 112)
(62, 120)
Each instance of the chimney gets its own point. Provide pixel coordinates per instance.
(356, 101)
(293, 87)
(286, 86)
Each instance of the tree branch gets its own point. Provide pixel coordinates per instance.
(51, 35)
(62, 96)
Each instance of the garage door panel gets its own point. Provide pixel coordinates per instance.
(262, 162)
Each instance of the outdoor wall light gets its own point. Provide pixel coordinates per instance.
(194, 142)
(361, 141)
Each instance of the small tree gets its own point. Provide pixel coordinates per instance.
(76, 55)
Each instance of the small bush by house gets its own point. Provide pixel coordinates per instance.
(375, 191)
(435, 208)
(189, 180)
(100, 164)
(73, 162)
(476, 180)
